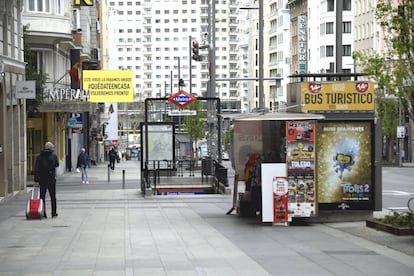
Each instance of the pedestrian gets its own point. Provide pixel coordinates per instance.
(112, 157)
(45, 175)
(83, 165)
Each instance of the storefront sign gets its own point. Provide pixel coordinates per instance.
(65, 95)
(26, 89)
(302, 44)
(109, 85)
(75, 120)
(344, 162)
(84, 3)
(300, 158)
(338, 96)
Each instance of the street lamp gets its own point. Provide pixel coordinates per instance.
(261, 77)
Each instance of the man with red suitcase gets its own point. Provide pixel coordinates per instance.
(45, 175)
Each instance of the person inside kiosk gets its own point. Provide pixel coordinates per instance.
(273, 151)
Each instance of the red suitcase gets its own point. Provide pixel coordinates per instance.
(35, 208)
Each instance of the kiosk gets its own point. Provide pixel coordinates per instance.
(326, 150)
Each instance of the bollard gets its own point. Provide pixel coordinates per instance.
(123, 179)
(109, 172)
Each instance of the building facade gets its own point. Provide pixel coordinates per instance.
(12, 109)
(61, 37)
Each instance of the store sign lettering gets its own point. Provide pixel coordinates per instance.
(63, 95)
(302, 44)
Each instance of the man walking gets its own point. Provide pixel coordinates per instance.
(112, 156)
(83, 164)
(45, 175)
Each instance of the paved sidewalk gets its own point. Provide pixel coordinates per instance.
(103, 229)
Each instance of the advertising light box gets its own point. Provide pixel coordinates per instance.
(338, 96)
(345, 163)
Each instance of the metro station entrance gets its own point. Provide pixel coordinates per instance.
(181, 146)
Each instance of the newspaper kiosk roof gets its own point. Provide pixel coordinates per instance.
(273, 116)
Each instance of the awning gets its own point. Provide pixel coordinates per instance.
(273, 116)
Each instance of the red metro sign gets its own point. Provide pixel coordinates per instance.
(182, 99)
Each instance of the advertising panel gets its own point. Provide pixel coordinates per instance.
(160, 142)
(248, 141)
(109, 85)
(280, 200)
(344, 163)
(111, 129)
(338, 96)
(300, 159)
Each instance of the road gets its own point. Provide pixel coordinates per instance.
(397, 187)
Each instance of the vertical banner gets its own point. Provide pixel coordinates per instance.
(344, 163)
(280, 200)
(111, 130)
(74, 71)
(300, 151)
(302, 44)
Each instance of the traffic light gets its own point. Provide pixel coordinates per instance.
(196, 49)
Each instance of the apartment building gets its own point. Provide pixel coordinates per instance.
(154, 38)
(330, 36)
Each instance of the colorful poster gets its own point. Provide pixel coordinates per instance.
(280, 199)
(344, 162)
(300, 159)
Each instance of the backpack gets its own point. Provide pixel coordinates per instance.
(47, 166)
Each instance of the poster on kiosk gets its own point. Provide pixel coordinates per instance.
(300, 161)
(280, 200)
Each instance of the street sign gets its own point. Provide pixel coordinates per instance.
(400, 131)
(182, 112)
(182, 99)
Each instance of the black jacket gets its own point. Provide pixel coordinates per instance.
(45, 166)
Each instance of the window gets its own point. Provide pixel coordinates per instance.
(329, 28)
(346, 50)
(330, 51)
(331, 5)
(346, 27)
(39, 6)
(347, 5)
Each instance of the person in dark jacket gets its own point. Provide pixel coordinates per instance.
(112, 157)
(83, 165)
(45, 175)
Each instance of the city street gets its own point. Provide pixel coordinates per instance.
(103, 229)
(398, 187)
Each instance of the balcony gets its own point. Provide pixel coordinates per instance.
(47, 28)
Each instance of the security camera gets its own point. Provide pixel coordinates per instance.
(204, 35)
